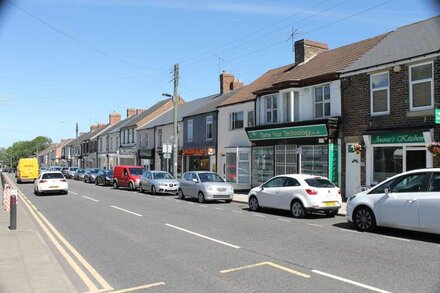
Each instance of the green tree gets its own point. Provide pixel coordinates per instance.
(26, 149)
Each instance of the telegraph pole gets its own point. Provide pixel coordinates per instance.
(175, 137)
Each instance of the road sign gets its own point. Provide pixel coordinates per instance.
(437, 116)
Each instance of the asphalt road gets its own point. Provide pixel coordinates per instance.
(135, 239)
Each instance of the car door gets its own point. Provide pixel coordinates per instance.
(429, 206)
(125, 178)
(268, 196)
(184, 183)
(287, 192)
(193, 186)
(399, 208)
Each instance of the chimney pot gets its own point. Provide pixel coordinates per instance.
(307, 49)
(114, 118)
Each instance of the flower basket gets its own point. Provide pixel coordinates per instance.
(434, 148)
(357, 148)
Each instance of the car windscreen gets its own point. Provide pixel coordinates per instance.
(73, 169)
(52, 176)
(210, 177)
(319, 183)
(162, 175)
(108, 173)
(81, 171)
(136, 171)
(94, 171)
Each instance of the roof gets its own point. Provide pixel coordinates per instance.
(77, 140)
(121, 124)
(139, 117)
(328, 62)
(405, 42)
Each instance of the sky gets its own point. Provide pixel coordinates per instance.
(64, 62)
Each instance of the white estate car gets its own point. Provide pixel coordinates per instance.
(410, 200)
(299, 193)
(51, 182)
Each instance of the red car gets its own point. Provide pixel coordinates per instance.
(127, 176)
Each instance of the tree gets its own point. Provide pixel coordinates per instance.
(26, 149)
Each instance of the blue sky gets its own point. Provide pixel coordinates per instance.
(68, 61)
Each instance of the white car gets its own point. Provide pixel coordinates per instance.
(51, 182)
(410, 200)
(299, 193)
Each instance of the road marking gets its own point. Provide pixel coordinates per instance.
(237, 212)
(350, 282)
(202, 205)
(316, 225)
(73, 192)
(203, 236)
(396, 238)
(220, 209)
(266, 263)
(95, 200)
(127, 211)
(352, 231)
(139, 287)
(261, 216)
(284, 220)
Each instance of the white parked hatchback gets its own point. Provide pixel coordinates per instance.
(299, 193)
(410, 200)
(51, 182)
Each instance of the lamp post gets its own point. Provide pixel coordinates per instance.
(175, 143)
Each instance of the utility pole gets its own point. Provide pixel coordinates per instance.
(175, 135)
(76, 129)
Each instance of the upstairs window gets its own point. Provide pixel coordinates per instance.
(209, 127)
(250, 118)
(146, 140)
(159, 137)
(380, 94)
(236, 120)
(421, 87)
(271, 109)
(189, 135)
(132, 136)
(322, 101)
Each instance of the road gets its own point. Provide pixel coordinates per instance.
(162, 244)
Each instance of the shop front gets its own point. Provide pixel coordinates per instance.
(237, 167)
(391, 153)
(146, 158)
(296, 148)
(200, 159)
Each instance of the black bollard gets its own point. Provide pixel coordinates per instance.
(13, 212)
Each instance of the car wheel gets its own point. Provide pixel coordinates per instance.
(141, 190)
(36, 192)
(331, 214)
(297, 209)
(253, 204)
(228, 200)
(364, 219)
(115, 185)
(96, 182)
(201, 197)
(180, 194)
(153, 190)
(131, 185)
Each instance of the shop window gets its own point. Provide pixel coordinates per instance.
(421, 87)
(237, 171)
(285, 159)
(262, 165)
(231, 167)
(380, 94)
(250, 118)
(209, 128)
(387, 162)
(322, 101)
(189, 135)
(271, 109)
(236, 120)
(314, 160)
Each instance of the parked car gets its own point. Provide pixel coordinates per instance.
(127, 176)
(205, 186)
(51, 182)
(56, 168)
(299, 193)
(104, 177)
(79, 174)
(70, 172)
(158, 182)
(90, 175)
(410, 200)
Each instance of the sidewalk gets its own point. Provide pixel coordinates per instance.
(243, 198)
(26, 262)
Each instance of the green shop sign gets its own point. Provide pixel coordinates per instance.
(318, 130)
(412, 137)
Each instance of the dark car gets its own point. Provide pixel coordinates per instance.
(90, 175)
(104, 177)
(79, 174)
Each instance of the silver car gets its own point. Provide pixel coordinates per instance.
(205, 186)
(158, 182)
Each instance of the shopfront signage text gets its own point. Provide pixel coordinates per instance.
(318, 130)
(414, 137)
(194, 152)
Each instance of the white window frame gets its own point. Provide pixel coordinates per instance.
(209, 122)
(232, 120)
(159, 137)
(253, 118)
(323, 102)
(146, 140)
(271, 110)
(421, 81)
(190, 133)
(379, 89)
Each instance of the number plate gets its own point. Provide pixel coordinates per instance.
(53, 186)
(330, 203)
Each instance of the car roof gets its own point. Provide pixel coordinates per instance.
(52, 172)
(300, 176)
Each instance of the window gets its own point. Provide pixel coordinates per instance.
(380, 97)
(322, 101)
(421, 87)
(276, 182)
(190, 130)
(132, 136)
(387, 162)
(236, 120)
(159, 137)
(287, 107)
(409, 183)
(100, 144)
(123, 137)
(250, 118)
(285, 159)
(271, 106)
(209, 127)
(292, 182)
(146, 140)
(262, 164)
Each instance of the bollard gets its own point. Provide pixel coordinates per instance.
(13, 212)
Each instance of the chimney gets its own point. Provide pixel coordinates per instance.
(307, 49)
(138, 111)
(228, 82)
(130, 112)
(93, 127)
(100, 125)
(113, 118)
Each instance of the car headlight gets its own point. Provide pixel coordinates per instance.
(230, 189)
(208, 187)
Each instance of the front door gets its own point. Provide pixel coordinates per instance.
(353, 171)
(415, 158)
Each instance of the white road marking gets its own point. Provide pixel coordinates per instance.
(203, 236)
(220, 209)
(237, 212)
(73, 192)
(284, 220)
(396, 238)
(350, 282)
(316, 225)
(95, 200)
(261, 216)
(352, 231)
(127, 211)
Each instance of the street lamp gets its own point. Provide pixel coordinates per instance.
(174, 97)
(76, 127)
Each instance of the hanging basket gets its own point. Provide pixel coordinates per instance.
(434, 148)
(358, 148)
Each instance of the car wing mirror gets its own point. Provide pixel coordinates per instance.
(195, 180)
(262, 187)
(387, 192)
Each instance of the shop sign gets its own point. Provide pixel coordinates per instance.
(194, 152)
(413, 137)
(318, 130)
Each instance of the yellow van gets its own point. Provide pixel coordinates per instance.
(27, 170)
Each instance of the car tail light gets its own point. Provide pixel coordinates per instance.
(63, 180)
(311, 192)
(339, 191)
(43, 181)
